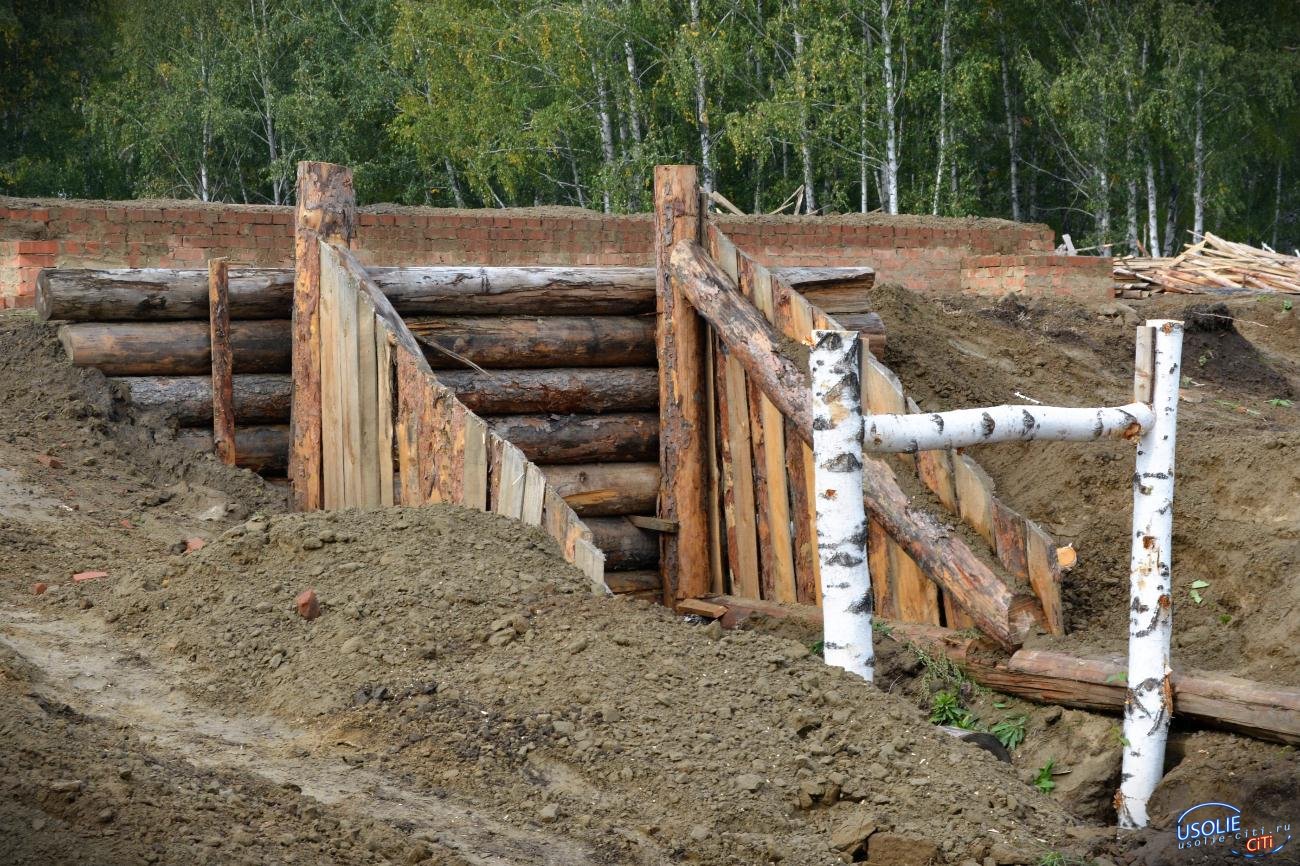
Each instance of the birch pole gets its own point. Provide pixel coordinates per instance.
(841, 515)
(1148, 704)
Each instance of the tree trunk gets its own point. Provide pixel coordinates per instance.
(615, 438)
(222, 388)
(891, 117)
(258, 398)
(805, 143)
(707, 179)
(1013, 145)
(1198, 157)
(264, 450)
(626, 547)
(1153, 217)
(175, 348)
(945, 61)
(1171, 220)
(1277, 203)
(606, 136)
(453, 182)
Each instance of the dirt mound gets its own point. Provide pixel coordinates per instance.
(457, 647)
(1237, 500)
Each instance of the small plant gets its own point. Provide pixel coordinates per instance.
(1204, 358)
(881, 627)
(1117, 734)
(1195, 590)
(1224, 618)
(1056, 858)
(1010, 732)
(1280, 403)
(1043, 779)
(1120, 678)
(1287, 305)
(946, 709)
(937, 668)
(818, 648)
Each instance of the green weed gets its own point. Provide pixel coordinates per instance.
(1010, 732)
(946, 709)
(1043, 780)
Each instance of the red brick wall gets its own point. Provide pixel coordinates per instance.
(1086, 278)
(922, 253)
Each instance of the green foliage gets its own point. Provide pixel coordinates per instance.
(1057, 111)
(1043, 778)
(946, 709)
(1010, 732)
(818, 648)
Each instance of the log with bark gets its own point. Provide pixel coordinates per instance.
(259, 398)
(590, 390)
(160, 294)
(175, 348)
(537, 341)
(263, 449)
(626, 546)
(606, 489)
(627, 437)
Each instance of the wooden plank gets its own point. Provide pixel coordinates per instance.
(653, 524)
(384, 412)
(475, 493)
(974, 499)
(349, 390)
(407, 430)
(1009, 534)
(431, 441)
(329, 408)
(223, 368)
(717, 534)
(534, 493)
(590, 560)
(510, 485)
(620, 582)
(882, 395)
(369, 493)
(700, 607)
(680, 335)
(325, 210)
(878, 562)
(917, 598)
(495, 444)
(555, 515)
(757, 438)
(953, 616)
(1045, 576)
(935, 469)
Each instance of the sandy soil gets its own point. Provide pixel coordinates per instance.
(463, 699)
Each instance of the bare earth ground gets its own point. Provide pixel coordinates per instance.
(462, 699)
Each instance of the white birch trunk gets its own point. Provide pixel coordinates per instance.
(805, 145)
(453, 182)
(1153, 208)
(891, 124)
(633, 92)
(606, 136)
(1013, 138)
(702, 107)
(945, 60)
(1277, 203)
(864, 172)
(841, 515)
(963, 428)
(1171, 219)
(1198, 192)
(1149, 702)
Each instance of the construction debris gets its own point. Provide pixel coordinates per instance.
(1212, 265)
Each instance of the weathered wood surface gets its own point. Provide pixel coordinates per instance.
(325, 211)
(590, 390)
(627, 547)
(624, 437)
(258, 398)
(223, 398)
(157, 294)
(606, 489)
(175, 348)
(749, 337)
(261, 448)
(538, 341)
(680, 347)
(628, 582)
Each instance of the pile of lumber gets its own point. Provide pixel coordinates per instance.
(1212, 265)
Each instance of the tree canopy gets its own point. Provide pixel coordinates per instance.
(1127, 123)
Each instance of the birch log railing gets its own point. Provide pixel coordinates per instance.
(1151, 421)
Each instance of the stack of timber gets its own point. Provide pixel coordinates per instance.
(1210, 266)
(560, 362)
(763, 472)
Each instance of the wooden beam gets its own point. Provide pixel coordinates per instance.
(606, 489)
(749, 337)
(174, 348)
(513, 342)
(626, 546)
(258, 398)
(223, 389)
(680, 336)
(625, 437)
(326, 211)
(261, 448)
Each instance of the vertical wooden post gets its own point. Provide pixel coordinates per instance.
(223, 394)
(1149, 703)
(326, 211)
(841, 514)
(679, 336)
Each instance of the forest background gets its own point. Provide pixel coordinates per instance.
(1126, 124)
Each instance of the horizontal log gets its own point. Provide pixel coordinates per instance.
(174, 348)
(538, 341)
(606, 489)
(624, 582)
(869, 325)
(1204, 698)
(751, 338)
(263, 449)
(625, 437)
(591, 390)
(156, 294)
(259, 398)
(963, 428)
(626, 547)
